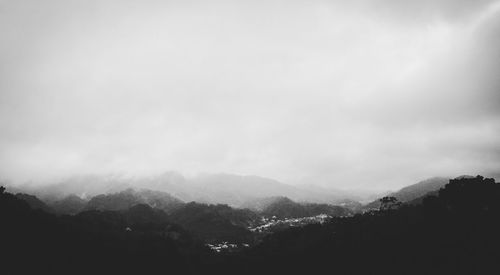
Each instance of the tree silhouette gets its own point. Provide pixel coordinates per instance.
(389, 202)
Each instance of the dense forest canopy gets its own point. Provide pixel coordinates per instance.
(452, 232)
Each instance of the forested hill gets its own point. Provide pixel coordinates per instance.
(414, 191)
(130, 197)
(135, 241)
(283, 207)
(454, 232)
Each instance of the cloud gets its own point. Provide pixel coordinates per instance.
(425, 11)
(369, 94)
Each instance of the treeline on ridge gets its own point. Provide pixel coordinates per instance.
(454, 231)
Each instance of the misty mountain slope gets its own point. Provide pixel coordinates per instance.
(353, 206)
(215, 222)
(171, 182)
(414, 191)
(258, 205)
(69, 205)
(34, 202)
(130, 197)
(333, 195)
(234, 190)
(160, 200)
(435, 193)
(229, 189)
(283, 207)
(417, 190)
(83, 186)
(237, 190)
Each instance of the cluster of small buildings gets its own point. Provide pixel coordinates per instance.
(226, 247)
(273, 222)
(268, 225)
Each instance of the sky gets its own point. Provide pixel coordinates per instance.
(373, 94)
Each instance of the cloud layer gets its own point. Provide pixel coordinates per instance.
(352, 94)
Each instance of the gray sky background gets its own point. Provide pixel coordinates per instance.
(350, 94)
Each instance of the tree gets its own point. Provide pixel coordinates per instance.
(389, 202)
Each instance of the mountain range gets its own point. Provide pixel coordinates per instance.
(233, 190)
(450, 231)
(171, 190)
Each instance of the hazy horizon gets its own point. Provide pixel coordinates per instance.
(361, 94)
(189, 179)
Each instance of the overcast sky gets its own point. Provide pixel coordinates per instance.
(353, 94)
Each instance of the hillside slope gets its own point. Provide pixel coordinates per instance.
(130, 197)
(414, 191)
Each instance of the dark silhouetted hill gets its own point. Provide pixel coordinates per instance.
(34, 202)
(215, 222)
(69, 205)
(454, 232)
(92, 242)
(434, 192)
